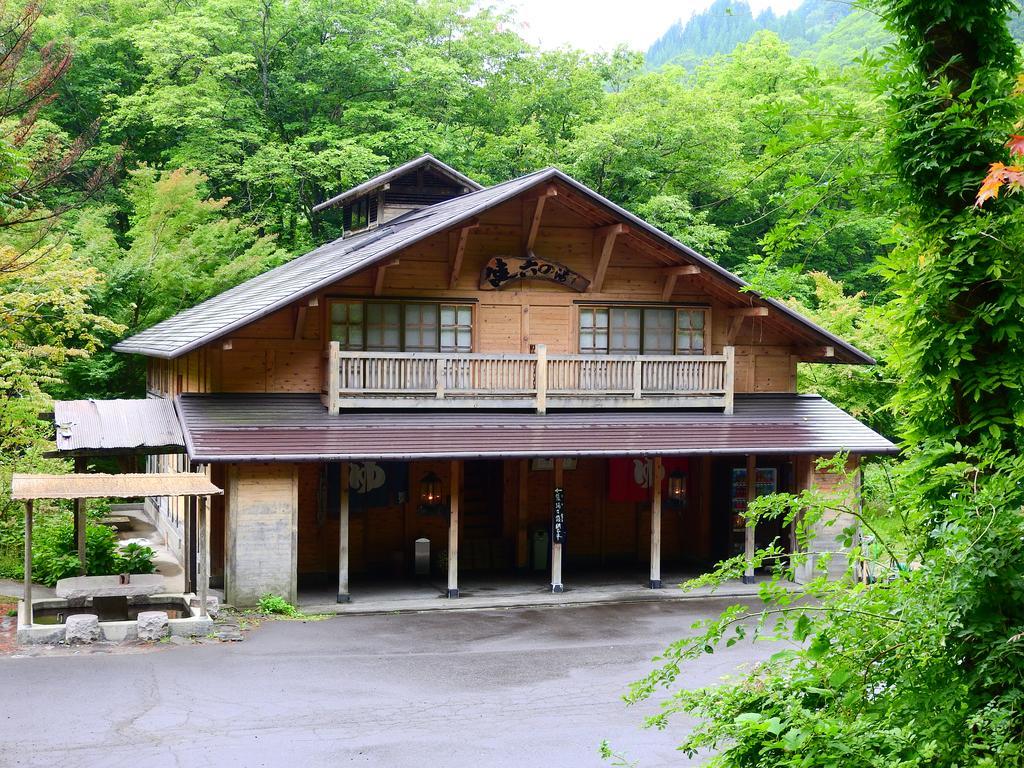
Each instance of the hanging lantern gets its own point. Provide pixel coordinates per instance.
(676, 488)
(430, 491)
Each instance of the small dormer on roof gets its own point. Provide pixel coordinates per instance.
(417, 184)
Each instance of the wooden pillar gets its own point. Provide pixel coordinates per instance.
(203, 536)
(343, 523)
(453, 530)
(656, 473)
(28, 562)
(556, 546)
(748, 531)
(81, 521)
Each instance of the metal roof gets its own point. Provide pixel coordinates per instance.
(298, 428)
(111, 427)
(334, 261)
(426, 160)
(100, 486)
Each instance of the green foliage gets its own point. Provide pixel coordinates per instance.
(135, 558)
(274, 605)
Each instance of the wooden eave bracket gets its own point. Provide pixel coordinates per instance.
(604, 244)
(816, 353)
(461, 236)
(538, 211)
(378, 279)
(737, 316)
(672, 274)
(300, 317)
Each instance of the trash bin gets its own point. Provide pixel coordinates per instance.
(422, 557)
(540, 548)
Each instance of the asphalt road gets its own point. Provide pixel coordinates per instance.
(521, 687)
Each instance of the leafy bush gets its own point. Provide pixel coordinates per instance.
(55, 553)
(135, 558)
(272, 604)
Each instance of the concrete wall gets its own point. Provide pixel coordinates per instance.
(262, 521)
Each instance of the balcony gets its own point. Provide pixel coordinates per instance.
(536, 381)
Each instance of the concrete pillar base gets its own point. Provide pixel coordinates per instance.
(655, 584)
(453, 593)
(344, 598)
(748, 579)
(557, 588)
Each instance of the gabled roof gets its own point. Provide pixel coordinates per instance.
(307, 274)
(116, 427)
(283, 427)
(423, 161)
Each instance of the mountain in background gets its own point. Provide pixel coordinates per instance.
(825, 31)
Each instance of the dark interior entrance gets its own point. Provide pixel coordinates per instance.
(729, 500)
(483, 546)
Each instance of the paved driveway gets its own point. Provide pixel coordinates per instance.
(537, 687)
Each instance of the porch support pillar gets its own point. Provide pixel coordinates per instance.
(204, 553)
(656, 524)
(81, 521)
(748, 530)
(453, 530)
(556, 546)
(28, 562)
(343, 515)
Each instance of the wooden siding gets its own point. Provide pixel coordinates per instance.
(283, 352)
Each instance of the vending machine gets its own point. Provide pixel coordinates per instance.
(766, 481)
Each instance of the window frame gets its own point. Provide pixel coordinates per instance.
(677, 351)
(402, 305)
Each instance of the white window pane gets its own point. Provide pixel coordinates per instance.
(697, 319)
(465, 315)
(339, 312)
(698, 342)
(447, 315)
(465, 340)
(601, 318)
(683, 320)
(355, 336)
(428, 338)
(586, 319)
(447, 339)
(355, 313)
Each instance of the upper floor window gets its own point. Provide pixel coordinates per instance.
(381, 326)
(641, 330)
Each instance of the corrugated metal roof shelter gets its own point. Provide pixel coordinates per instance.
(116, 427)
(98, 486)
(296, 428)
(307, 274)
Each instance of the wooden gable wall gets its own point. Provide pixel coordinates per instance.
(283, 352)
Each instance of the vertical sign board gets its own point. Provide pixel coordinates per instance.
(558, 518)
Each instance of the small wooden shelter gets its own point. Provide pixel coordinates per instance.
(29, 488)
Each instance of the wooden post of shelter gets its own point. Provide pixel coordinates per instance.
(28, 562)
(556, 544)
(656, 472)
(204, 554)
(748, 531)
(81, 522)
(453, 530)
(343, 532)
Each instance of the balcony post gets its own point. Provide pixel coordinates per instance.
(730, 377)
(542, 378)
(334, 378)
(439, 378)
(638, 379)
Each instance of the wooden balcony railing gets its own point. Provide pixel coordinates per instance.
(538, 381)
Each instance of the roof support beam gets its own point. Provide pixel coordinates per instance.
(674, 273)
(378, 277)
(533, 227)
(816, 352)
(604, 243)
(737, 316)
(461, 236)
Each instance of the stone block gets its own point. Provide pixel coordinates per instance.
(82, 628)
(212, 605)
(152, 625)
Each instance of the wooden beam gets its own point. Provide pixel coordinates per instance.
(556, 547)
(749, 312)
(749, 544)
(81, 521)
(460, 250)
(300, 323)
(538, 210)
(203, 523)
(656, 474)
(378, 279)
(28, 563)
(343, 526)
(453, 530)
(604, 244)
(672, 274)
(816, 352)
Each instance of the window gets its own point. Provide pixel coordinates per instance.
(456, 328)
(378, 326)
(641, 330)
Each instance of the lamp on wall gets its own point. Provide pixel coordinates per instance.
(676, 490)
(430, 491)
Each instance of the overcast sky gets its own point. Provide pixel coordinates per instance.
(603, 24)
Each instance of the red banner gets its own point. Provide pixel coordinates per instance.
(630, 479)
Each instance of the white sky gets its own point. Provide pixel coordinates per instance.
(602, 24)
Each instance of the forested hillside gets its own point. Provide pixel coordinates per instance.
(824, 31)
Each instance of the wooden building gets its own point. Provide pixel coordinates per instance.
(526, 375)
